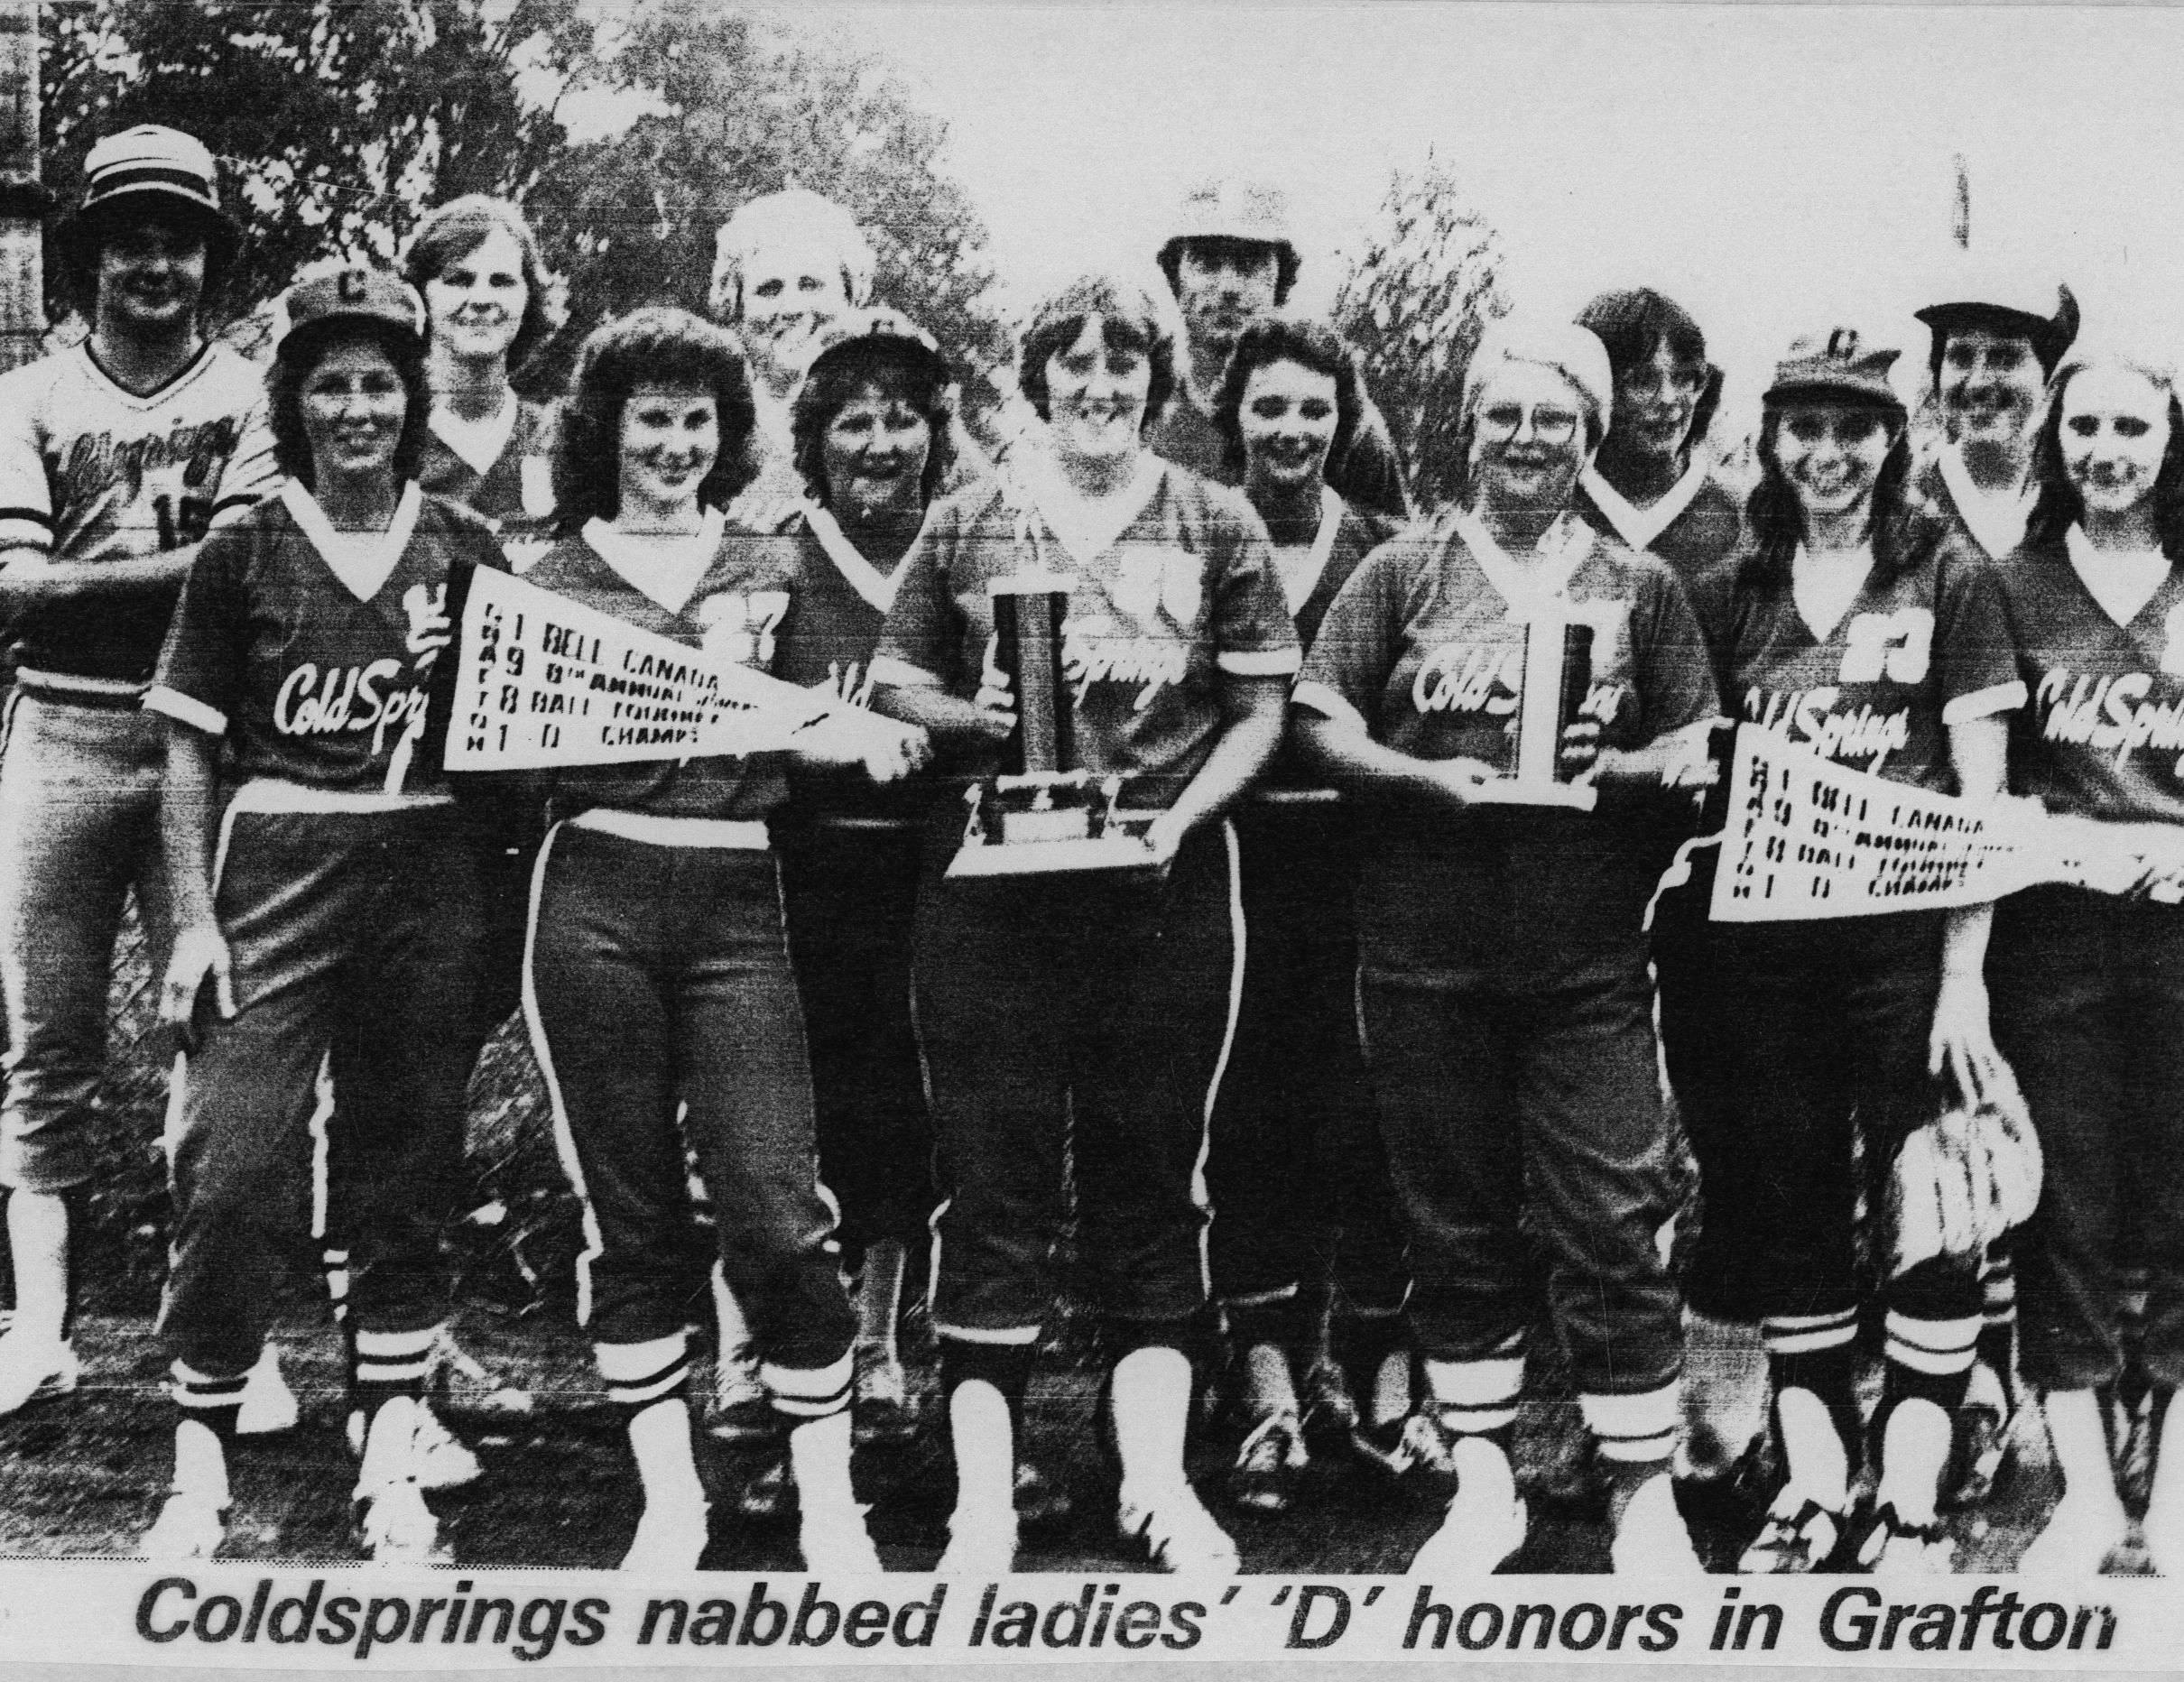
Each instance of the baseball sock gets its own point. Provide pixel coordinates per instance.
(1928, 1364)
(650, 1382)
(1813, 1363)
(1636, 1434)
(983, 1385)
(205, 1436)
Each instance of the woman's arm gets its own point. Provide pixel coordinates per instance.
(948, 718)
(1963, 1041)
(186, 816)
(29, 578)
(1254, 710)
(1343, 751)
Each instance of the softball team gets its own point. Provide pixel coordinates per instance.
(1358, 1083)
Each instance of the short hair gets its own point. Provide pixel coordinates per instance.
(1287, 263)
(2051, 339)
(287, 375)
(460, 228)
(795, 212)
(1634, 324)
(1280, 339)
(81, 241)
(2059, 506)
(1130, 319)
(902, 369)
(1468, 422)
(1902, 533)
(658, 345)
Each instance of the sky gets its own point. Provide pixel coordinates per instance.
(1775, 168)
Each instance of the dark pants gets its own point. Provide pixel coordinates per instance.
(1786, 1044)
(1298, 1170)
(1075, 1023)
(852, 895)
(353, 934)
(2088, 999)
(1541, 1108)
(659, 975)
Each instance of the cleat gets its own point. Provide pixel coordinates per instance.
(1270, 1465)
(191, 1525)
(740, 1411)
(1178, 1533)
(836, 1543)
(882, 1412)
(1982, 1440)
(1476, 1538)
(1330, 1413)
(1417, 1450)
(465, 1382)
(1799, 1536)
(1653, 1539)
(668, 1539)
(979, 1544)
(1043, 1502)
(34, 1370)
(395, 1527)
(1894, 1547)
(269, 1406)
(437, 1457)
(767, 1495)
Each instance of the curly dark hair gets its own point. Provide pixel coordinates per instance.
(1902, 535)
(1270, 340)
(1129, 320)
(658, 345)
(2059, 506)
(1633, 324)
(460, 228)
(301, 354)
(902, 369)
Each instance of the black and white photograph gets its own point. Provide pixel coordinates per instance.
(829, 828)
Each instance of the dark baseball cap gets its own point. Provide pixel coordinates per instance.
(357, 295)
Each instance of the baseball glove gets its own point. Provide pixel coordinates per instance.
(1963, 1179)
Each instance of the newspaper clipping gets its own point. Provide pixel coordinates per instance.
(962, 833)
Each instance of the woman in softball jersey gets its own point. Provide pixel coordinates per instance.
(657, 972)
(2088, 1002)
(1087, 1016)
(1296, 1172)
(1502, 989)
(331, 909)
(1852, 626)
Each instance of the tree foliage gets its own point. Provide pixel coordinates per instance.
(1414, 304)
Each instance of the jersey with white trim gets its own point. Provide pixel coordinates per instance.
(737, 611)
(1912, 655)
(1698, 539)
(1368, 474)
(1422, 650)
(1356, 538)
(90, 471)
(307, 683)
(1185, 593)
(2103, 735)
(516, 494)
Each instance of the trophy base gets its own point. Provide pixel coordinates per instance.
(1048, 825)
(1576, 796)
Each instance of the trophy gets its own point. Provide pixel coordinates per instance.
(1041, 814)
(1557, 675)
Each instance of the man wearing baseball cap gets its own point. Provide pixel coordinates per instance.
(1231, 258)
(117, 457)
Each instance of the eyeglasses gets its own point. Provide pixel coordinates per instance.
(1646, 381)
(1501, 422)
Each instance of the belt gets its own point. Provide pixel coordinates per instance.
(749, 835)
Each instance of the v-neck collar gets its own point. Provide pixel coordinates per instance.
(1528, 590)
(1089, 531)
(1819, 633)
(877, 588)
(158, 394)
(477, 444)
(1998, 522)
(2096, 572)
(666, 574)
(1298, 589)
(362, 560)
(1640, 527)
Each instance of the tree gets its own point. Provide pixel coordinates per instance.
(1415, 304)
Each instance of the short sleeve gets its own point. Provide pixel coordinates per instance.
(252, 473)
(26, 500)
(1358, 642)
(201, 668)
(1974, 654)
(1675, 671)
(914, 644)
(1254, 634)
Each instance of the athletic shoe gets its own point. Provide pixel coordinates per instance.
(980, 1543)
(1981, 1439)
(882, 1412)
(1178, 1534)
(1042, 1501)
(33, 1369)
(836, 1543)
(269, 1406)
(1799, 1536)
(191, 1525)
(463, 1381)
(1476, 1537)
(1418, 1450)
(395, 1527)
(766, 1493)
(437, 1457)
(1653, 1539)
(741, 1411)
(668, 1539)
(1329, 1412)
(1891, 1546)
(1270, 1465)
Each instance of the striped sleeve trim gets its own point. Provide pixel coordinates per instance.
(186, 710)
(1996, 698)
(1269, 662)
(889, 671)
(1322, 699)
(25, 527)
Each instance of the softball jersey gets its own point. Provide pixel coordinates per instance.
(1368, 475)
(1693, 527)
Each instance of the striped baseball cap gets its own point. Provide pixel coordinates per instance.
(151, 160)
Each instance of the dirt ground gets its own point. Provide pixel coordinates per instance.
(83, 1474)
